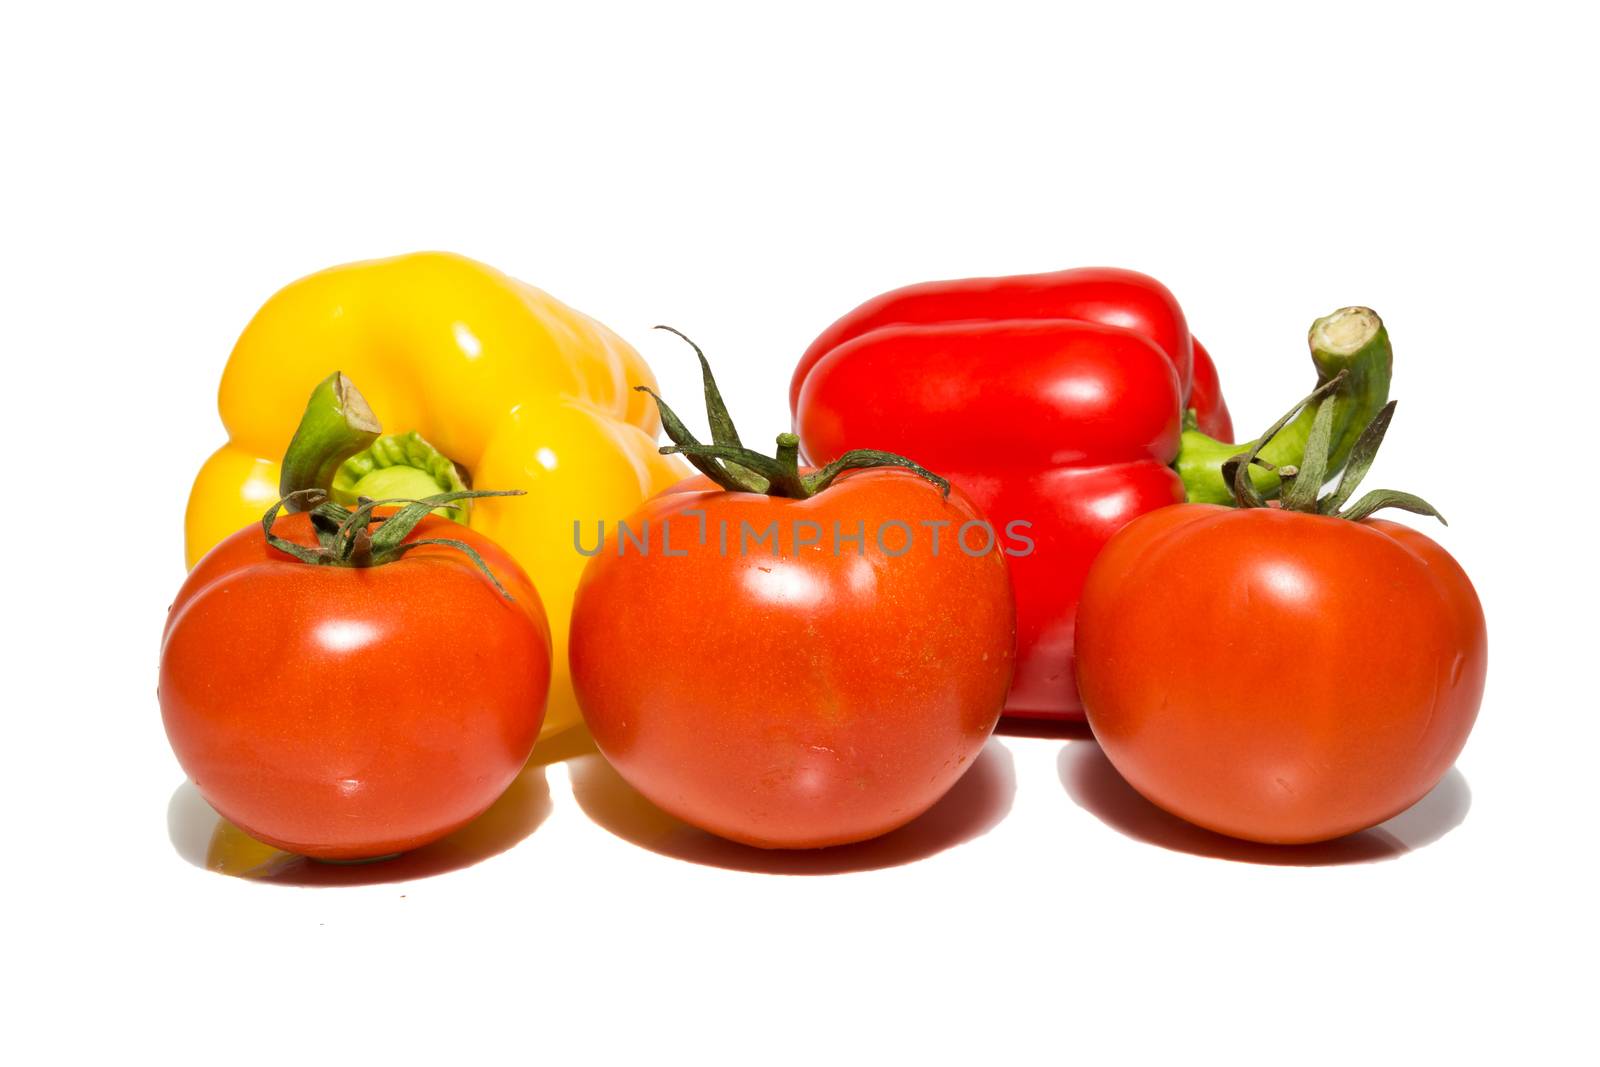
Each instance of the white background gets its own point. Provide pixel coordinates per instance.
(748, 174)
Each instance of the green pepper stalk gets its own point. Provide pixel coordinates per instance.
(1351, 346)
(339, 468)
(340, 449)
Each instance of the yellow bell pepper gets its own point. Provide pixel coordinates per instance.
(516, 388)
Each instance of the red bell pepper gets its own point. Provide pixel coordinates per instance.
(1056, 400)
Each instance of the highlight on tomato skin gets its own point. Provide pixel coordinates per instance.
(353, 712)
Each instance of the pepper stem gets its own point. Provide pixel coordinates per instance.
(399, 465)
(337, 424)
(337, 449)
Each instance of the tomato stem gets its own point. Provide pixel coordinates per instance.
(789, 482)
(363, 538)
(738, 469)
(1302, 483)
(1353, 340)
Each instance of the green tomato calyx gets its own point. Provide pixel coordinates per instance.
(1303, 482)
(737, 469)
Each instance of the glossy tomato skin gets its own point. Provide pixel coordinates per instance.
(802, 699)
(1069, 427)
(349, 713)
(1275, 676)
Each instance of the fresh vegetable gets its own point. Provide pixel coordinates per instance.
(352, 684)
(782, 656)
(485, 380)
(1106, 295)
(1286, 673)
(1058, 401)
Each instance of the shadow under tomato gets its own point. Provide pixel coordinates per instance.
(207, 840)
(1049, 729)
(559, 748)
(1094, 784)
(974, 805)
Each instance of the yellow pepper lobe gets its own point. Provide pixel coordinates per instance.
(519, 389)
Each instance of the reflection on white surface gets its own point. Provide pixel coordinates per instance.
(978, 801)
(207, 840)
(1095, 786)
(344, 635)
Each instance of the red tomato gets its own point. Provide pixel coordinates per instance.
(1278, 676)
(795, 696)
(348, 713)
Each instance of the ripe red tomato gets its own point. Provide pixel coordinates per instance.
(792, 695)
(348, 713)
(1279, 676)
